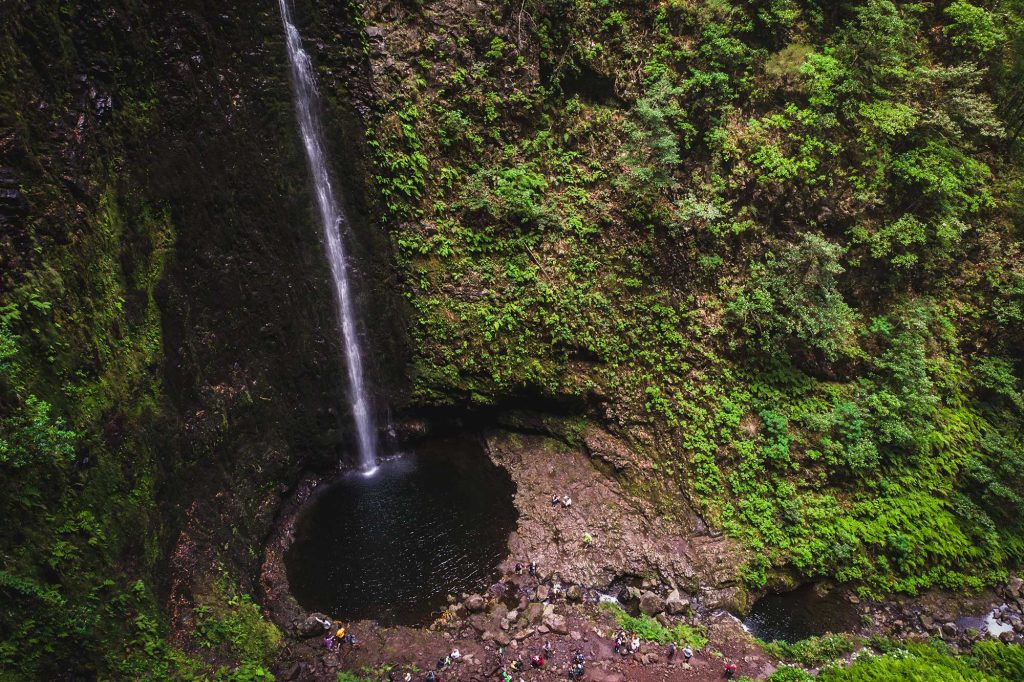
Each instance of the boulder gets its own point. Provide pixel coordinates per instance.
(574, 594)
(474, 603)
(630, 596)
(1015, 586)
(533, 613)
(675, 604)
(948, 630)
(1007, 637)
(543, 591)
(557, 624)
(927, 622)
(501, 638)
(313, 625)
(651, 604)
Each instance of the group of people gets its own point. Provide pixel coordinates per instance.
(564, 500)
(338, 637)
(626, 645)
(539, 660)
(532, 570)
(454, 657)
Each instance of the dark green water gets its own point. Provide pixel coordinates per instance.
(391, 546)
(804, 612)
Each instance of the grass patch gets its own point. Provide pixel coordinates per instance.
(812, 651)
(651, 630)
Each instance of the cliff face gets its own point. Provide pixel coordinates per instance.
(773, 247)
(167, 326)
(776, 246)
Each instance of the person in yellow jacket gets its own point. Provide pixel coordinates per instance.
(340, 634)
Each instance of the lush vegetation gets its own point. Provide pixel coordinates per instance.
(782, 237)
(650, 630)
(773, 244)
(989, 662)
(813, 651)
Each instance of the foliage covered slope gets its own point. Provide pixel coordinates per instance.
(776, 243)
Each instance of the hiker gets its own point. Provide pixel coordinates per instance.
(730, 670)
(442, 662)
(517, 665)
(533, 569)
(547, 648)
(576, 670)
(671, 651)
(537, 661)
(555, 500)
(519, 568)
(350, 639)
(407, 677)
(433, 677)
(578, 658)
(634, 646)
(455, 655)
(687, 654)
(340, 634)
(505, 677)
(329, 642)
(620, 644)
(556, 590)
(566, 501)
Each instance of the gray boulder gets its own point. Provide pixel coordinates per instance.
(313, 625)
(651, 604)
(675, 604)
(474, 603)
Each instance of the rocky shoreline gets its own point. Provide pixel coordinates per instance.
(605, 546)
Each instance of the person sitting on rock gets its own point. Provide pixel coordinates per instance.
(556, 590)
(634, 646)
(671, 651)
(579, 658)
(547, 648)
(455, 655)
(537, 661)
(555, 500)
(533, 569)
(433, 677)
(619, 644)
(519, 568)
(566, 501)
(730, 671)
(687, 654)
(576, 670)
(329, 642)
(340, 634)
(442, 662)
(516, 665)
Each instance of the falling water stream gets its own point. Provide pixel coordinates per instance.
(332, 219)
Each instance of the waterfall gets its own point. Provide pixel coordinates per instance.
(332, 219)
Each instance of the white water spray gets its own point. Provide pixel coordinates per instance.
(332, 219)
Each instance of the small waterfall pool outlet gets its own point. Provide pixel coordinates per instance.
(799, 614)
(392, 545)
